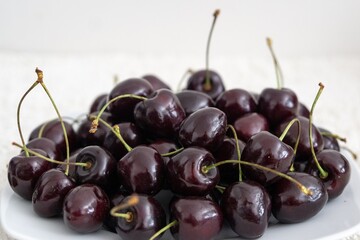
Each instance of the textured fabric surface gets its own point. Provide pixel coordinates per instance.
(75, 80)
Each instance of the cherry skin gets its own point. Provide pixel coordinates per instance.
(198, 218)
(204, 128)
(142, 170)
(111, 221)
(192, 101)
(164, 146)
(47, 145)
(123, 109)
(197, 82)
(85, 208)
(155, 82)
(291, 205)
(160, 115)
(148, 218)
(247, 207)
(72, 168)
(98, 103)
(329, 142)
(24, 172)
(50, 192)
(303, 110)
(267, 150)
(338, 169)
(236, 103)
(185, 175)
(250, 124)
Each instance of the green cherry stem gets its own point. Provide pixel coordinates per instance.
(323, 173)
(172, 153)
(327, 134)
(95, 122)
(183, 77)
(158, 233)
(40, 80)
(278, 72)
(207, 85)
(237, 150)
(286, 130)
(129, 216)
(220, 188)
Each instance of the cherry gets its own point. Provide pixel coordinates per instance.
(291, 205)
(204, 128)
(303, 110)
(192, 101)
(247, 207)
(98, 103)
(330, 141)
(160, 115)
(250, 124)
(123, 109)
(164, 146)
(236, 103)
(155, 82)
(47, 145)
(85, 208)
(72, 167)
(50, 192)
(142, 220)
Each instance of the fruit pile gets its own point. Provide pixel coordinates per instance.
(224, 155)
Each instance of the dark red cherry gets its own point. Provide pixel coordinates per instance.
(250, 124)
(24, 172)
(329, 141)
(236, 103)
(123, 109)
(277, 104)
(160, 115)
(98, 103)
(247, 208)
(50, 192)
(267, 150)
(192, 101)
(185, 172)
(155, 82)
(72, 168)
(303, 110)
(142, 170)
(197, 82)
(198, 218)
(338, 168)
(164, 146)
(131, 134)
(148, 217)
(204, 128)
(292, 205)
(47, 145)
(85, 208)
(102, 169)
(111, 221)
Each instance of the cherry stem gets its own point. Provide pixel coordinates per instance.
(278, 72)
(95, 122)
(327, 134)
(172, 153)
(115, 79)
(189, 71)
(158, 233)
(129, 217)
(40, 80)
(353, 154)
(116, 130)
(207, 85)
(304, 189)
(18, 115)
(237, 150)
(220, 188)
(286, 130)
(86, 165)
(323, 173)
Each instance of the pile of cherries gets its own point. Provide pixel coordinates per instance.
(221, 155)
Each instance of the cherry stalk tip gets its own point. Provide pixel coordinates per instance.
(269, 41)
(216, 13)
(321, 85)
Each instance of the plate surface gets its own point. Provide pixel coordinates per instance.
(340, 218)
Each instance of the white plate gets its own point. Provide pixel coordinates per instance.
(340, 218)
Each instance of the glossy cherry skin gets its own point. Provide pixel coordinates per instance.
(197, 82)
(204, 128)
(111, 221)
(303, 110)
(149, 217)
(304, 151)
(164, 146)
(192, 101)
(250, 124)
(123, 109)
(277, 104)
(160, 115)
(267, 150)
(98, 103)
(131, 134)
(198, 218)
(329, 142)
(24, 172)
(54, 132)
(85, 208)
(247, 207)
(155, 82)
(185, 174)
(236, 103)
(47, 145)
(338, 168)
(50, 192)
(72, 168)
(142, 170)
(291, 205)
(102, 170)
